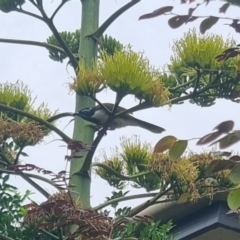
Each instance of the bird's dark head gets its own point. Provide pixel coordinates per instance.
(85, 113)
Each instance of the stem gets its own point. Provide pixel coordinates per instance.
(138, 107)
(25, 177)
(192, 94)
(49, 234)
(38, 120)
(5, 238)
(57, 9)
(119, 175)
(175, 14)
(28, 13)
(35, 185)
(182, 85)
(99, 103)
(148, 203)
(31, 176)
(80, 176)
(34, 4)
(33, 43)
(60, 115)
(197, 82)
(112, 18)
(55, 32)
(67, 50)
(121, 199)
(60, 234)
(18, 154)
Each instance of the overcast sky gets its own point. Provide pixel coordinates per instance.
(48, 79)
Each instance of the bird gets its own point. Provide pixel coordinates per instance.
(99, 116)
(229, 53)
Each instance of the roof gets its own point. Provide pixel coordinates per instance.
(201, 220)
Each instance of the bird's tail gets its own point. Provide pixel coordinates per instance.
(150, 127)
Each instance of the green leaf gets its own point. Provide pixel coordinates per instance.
(177, 21)
(184, 198)
(228, 140)
(207, 24)
(130, 238)
(177, 149)
(235, 158)
(222, 154)
(74, 228)
(225, 127)
(233, 199)
(10, 5)
(235, 174)
(24, 154)
(219, 165)
(224, 8)
(157, 12)
(208, 138)
(164, 144)
(5, 178)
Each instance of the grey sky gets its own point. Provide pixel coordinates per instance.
(48, 80)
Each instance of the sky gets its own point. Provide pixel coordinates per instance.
(48, 80)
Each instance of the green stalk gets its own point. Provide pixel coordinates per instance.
(81, 177)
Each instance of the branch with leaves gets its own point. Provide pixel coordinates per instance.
(178, 20)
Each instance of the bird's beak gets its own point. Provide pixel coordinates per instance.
(76, 114)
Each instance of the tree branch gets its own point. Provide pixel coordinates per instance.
(119, 175)
(125, 198)
(112, 18)
(38, 120)
(34, 43)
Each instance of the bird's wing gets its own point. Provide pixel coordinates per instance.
(132, 121)
(109, 106)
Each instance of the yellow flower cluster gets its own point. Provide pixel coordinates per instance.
(88, 81)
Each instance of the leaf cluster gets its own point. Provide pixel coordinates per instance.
(10, 5)
(178, 20)
(107, 44)
(154, 231)
(12, 209)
